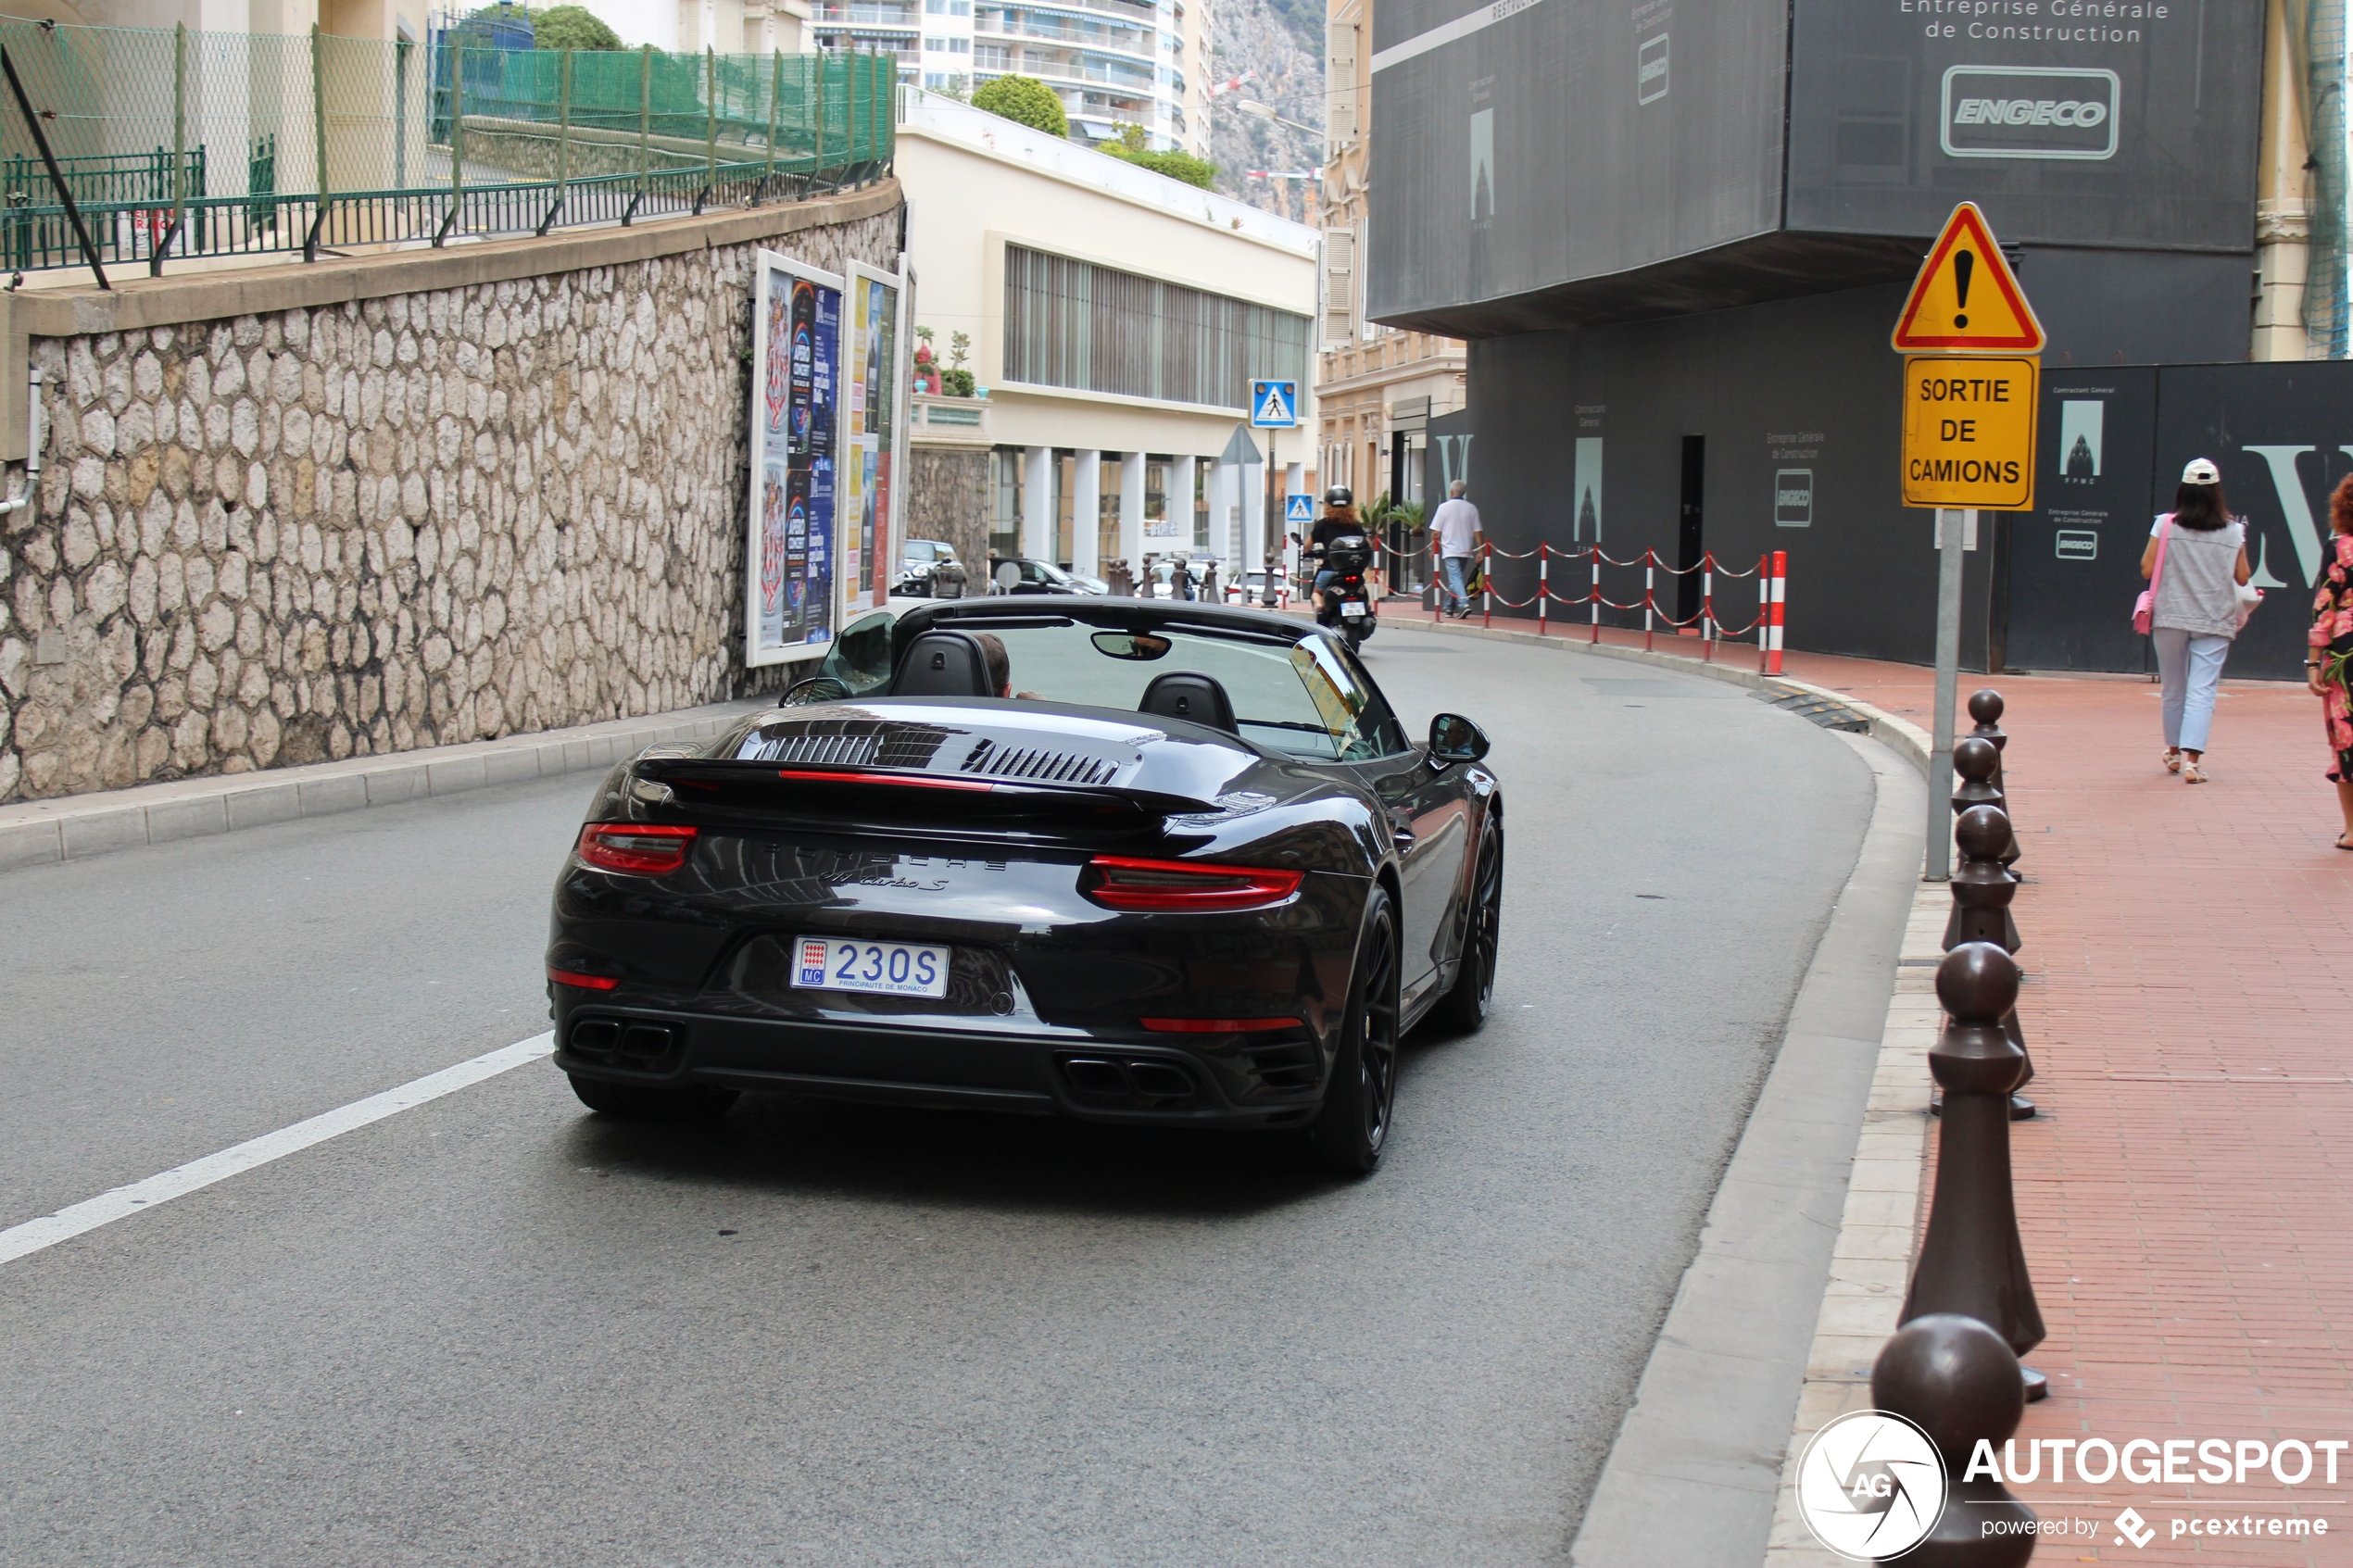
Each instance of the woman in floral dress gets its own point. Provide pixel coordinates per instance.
(2328, 664)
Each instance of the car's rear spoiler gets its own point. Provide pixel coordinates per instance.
(690, 776)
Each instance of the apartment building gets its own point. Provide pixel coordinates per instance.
(1378, 387)
(1112, 62)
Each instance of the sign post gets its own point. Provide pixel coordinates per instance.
(1274, 405)
(1971, 395)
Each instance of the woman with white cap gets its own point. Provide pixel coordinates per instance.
(2196, 562)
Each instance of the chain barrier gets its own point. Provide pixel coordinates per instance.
(1770, 572)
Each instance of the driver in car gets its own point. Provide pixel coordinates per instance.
(999, 667)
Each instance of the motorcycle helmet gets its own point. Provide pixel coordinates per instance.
(1340, 495)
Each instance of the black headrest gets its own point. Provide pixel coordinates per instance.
(942, 664)
(1183, 695)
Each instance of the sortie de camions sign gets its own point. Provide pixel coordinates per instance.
(1968, 432)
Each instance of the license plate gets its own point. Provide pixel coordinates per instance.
(1351, 608)
(886, 968)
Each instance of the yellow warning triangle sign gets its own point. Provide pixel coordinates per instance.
(1967, 299)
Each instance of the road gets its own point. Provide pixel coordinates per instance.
(495, 1329)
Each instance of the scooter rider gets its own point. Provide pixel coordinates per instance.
(1339, 522)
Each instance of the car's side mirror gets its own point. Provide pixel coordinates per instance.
(1454, 738)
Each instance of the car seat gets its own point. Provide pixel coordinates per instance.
(1181, 694)
(942, 664)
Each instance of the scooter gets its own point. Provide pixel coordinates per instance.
(1348, 600)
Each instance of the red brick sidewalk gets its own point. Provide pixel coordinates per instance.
(2189, 1000)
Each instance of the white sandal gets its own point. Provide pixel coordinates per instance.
(2172, 757)
(2192, 773)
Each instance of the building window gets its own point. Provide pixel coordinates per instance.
(992, 57)
(1004, 501)
(1073, 323)
(949, 46)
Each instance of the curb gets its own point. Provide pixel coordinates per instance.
(1704, 1442)
(1872, 1259)
(1807, 1250)
(75, 827)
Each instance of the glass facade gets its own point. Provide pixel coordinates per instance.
(1076, 324)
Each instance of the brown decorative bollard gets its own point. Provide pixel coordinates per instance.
(1977, 762)
(1952, 1376)
(1981, 894)
(1971, 1262)
(1985, 706)
(1981, 889)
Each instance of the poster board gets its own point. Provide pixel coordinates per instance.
(873, 463)
(793, 551)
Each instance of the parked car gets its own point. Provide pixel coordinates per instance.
(1163, 571)
(1194, 874)
(917, 560)
(1254, 586)
(1028, 576)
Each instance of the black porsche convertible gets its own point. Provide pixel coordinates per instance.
(1118, 860)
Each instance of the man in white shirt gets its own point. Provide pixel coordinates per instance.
(1456, 529)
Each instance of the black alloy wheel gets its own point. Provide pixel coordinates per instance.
(643, 1102)
(1472, 997)
(1348, 1135)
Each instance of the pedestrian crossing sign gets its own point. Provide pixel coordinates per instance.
(1299, 508)
(1274, 405)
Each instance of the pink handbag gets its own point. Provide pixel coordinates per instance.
(2145, 607)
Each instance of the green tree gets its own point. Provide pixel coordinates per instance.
(1026, 100)
(1132, 147)
(571, 27)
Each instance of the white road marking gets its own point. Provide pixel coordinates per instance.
(107, 1207)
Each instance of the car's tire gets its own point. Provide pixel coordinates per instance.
(1348, 1135)
(1472, 997)
(645, 1102)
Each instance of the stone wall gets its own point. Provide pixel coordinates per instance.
(413, 519)
(948, 499)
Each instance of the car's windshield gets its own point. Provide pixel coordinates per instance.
(1051, 573)
(1303, 697)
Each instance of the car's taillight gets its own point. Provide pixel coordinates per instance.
(584, 981)
(1117, 882)
(1217, 1025)
(640, 848)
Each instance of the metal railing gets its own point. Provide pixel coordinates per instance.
(169, 142)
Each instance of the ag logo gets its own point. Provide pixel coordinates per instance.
(1870, 1485)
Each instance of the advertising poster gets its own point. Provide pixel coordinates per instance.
(796, 418)
(873, 456)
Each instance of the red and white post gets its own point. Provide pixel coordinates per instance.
(1773, 611)
(1544, 584)
(1593, 594)
(1707, 606)
(1650, 575)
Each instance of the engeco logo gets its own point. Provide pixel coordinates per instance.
(2030, 112)
(1870, 1485)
